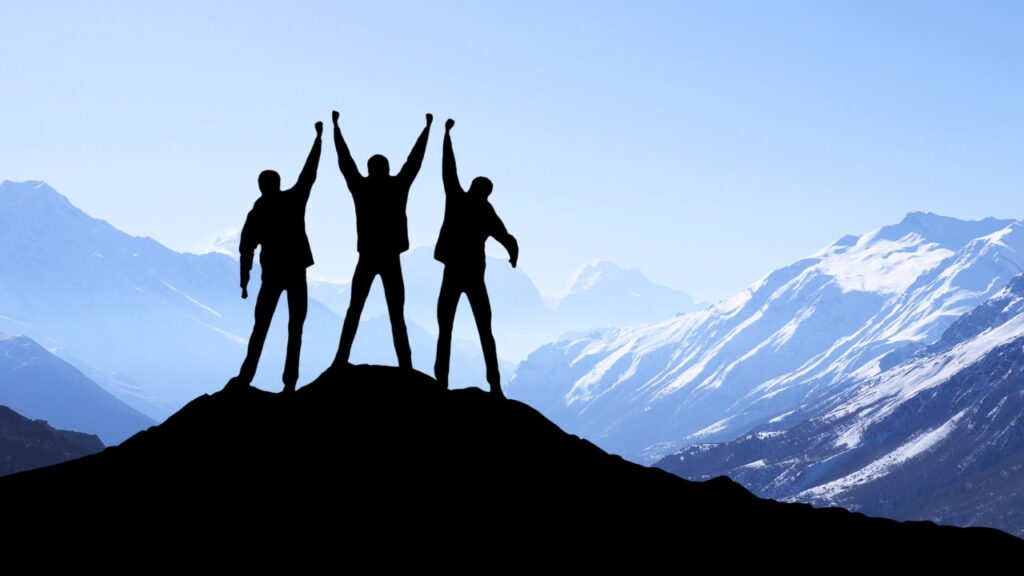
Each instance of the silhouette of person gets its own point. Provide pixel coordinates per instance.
(469, 219)
(277, 223)
(380, 200)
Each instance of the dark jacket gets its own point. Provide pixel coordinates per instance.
(469, 220)
(380, 201)
(277, 223)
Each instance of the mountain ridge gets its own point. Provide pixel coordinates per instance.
(389, 451)
(936, 435)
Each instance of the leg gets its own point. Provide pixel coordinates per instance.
(361, 282)
(394, 293)
(447, 302)
(298, 302)
(480, 303)
(266, 303)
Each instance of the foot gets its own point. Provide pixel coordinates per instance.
(496, 391)
(338, 366)
(289, 388)
(236, 383)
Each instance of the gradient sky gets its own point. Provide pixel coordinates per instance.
(705, 143)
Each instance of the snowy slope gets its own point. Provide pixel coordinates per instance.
(838, 316)
(939, 436)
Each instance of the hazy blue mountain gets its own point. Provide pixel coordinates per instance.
(41, 386)
(603, 295)
(128, 306)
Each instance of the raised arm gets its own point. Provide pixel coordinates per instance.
(449, 173)
(412, 164)
(500, 233)
(345, 161)
(308, 174)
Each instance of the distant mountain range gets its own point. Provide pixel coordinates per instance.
(26, 444)
(800, 334)
(41, 386)
(881, 374)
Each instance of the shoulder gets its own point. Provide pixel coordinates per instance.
(257, 207)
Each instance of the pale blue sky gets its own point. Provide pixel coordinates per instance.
(705, 143)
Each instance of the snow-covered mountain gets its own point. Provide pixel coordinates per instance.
(226, 243)
(938, 436)
(801, 333)
(41, 386)
(603, 295)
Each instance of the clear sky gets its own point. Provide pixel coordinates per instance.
(705, 143)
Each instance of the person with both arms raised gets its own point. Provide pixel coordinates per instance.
(380, 200)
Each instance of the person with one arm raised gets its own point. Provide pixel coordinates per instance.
(469, 220)
(382, 226)
(277, 224)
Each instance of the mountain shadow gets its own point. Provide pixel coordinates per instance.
(370, 456)
(26, 444)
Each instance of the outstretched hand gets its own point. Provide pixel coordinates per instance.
(449, 124)
(245, 293)
(319, 129)
(334, 116)
(513, 260)
(430, 119)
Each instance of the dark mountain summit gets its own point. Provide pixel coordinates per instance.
(388, 457)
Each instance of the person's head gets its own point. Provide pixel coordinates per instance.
(481, 187)
(270, 182)
(378, 166)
